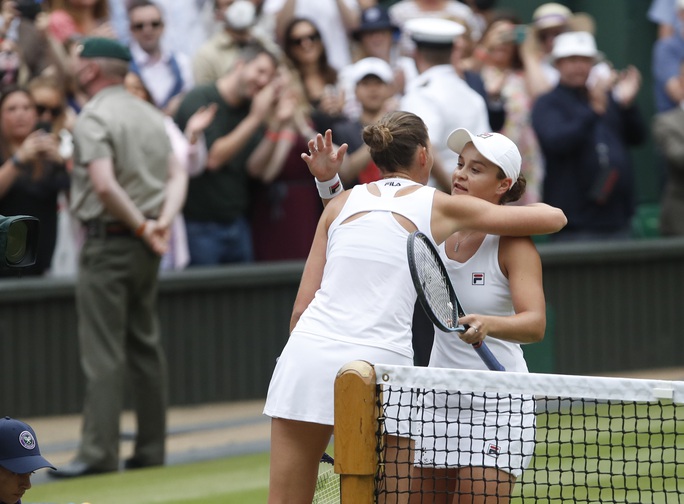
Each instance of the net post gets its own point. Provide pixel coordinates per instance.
(356, 423)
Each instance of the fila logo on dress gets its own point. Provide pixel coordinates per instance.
(478, 278)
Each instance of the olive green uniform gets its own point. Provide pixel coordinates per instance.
(116, 291)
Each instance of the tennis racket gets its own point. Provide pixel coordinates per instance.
(436, 293)
(328, 482)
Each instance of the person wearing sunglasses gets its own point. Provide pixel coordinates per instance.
(50, 100)
(336, 21)
(32, 172)
(56, 117)
(167, 75)
(305, 50)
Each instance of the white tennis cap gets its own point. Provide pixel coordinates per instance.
(496, 147)
(433, 31)
(372, 66)
(574, 44)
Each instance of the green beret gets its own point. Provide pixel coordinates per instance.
(100, 47)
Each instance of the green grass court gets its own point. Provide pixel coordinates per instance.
(236, 480)
(597, 454)
(607, 453)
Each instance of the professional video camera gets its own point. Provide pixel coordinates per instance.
(18, 241)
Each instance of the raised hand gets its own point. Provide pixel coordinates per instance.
(264, 101)
(627, 86)
(324, 159)
(199, 121)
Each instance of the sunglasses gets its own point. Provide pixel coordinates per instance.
(314, 37)
(54, 111)
(141, 26)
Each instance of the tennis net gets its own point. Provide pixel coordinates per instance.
(482, 436)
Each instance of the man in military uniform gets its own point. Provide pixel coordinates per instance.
(439, 96)
(127, 187)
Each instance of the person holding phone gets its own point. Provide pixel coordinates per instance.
(508, 80)
(32, 172)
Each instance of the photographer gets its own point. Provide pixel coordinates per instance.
(32, 171)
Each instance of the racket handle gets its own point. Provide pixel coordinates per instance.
(488, 357)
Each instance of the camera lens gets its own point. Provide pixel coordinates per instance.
(16, 243)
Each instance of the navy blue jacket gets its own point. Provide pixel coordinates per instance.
(585, 152)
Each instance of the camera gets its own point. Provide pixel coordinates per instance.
(18, 241)
(29, 9)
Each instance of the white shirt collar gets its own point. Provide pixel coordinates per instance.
(143, 58)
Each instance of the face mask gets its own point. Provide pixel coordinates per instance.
(240, 15)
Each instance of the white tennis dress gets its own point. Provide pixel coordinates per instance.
(476, 431)
(364, 308)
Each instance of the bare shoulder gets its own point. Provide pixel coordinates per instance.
(518, 244)
(518, 250)
(334, 207)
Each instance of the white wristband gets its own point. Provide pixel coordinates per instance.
(330, 188)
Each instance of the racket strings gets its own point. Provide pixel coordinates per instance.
(328, 484)
(435, 284)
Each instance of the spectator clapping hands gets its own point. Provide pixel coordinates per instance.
(627, 86)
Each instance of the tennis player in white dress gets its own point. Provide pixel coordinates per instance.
(473, 448)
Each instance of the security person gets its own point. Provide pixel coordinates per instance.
(438, 95)
(127, 187)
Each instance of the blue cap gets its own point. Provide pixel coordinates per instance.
(374, 19)
(19, 451)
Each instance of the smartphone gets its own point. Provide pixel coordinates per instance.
(519, 33)
(44, 126)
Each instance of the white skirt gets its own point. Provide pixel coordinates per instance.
(481, 433)
(303, 382)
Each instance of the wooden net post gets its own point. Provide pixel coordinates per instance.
(356, 425)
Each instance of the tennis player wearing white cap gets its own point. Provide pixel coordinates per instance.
(498, 279)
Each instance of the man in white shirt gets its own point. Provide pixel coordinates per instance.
(439, 96)
(166, 74)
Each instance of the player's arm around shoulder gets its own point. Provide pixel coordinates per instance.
(451, 213)
(315, 262)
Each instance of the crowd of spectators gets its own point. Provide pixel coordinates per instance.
(341, 64)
